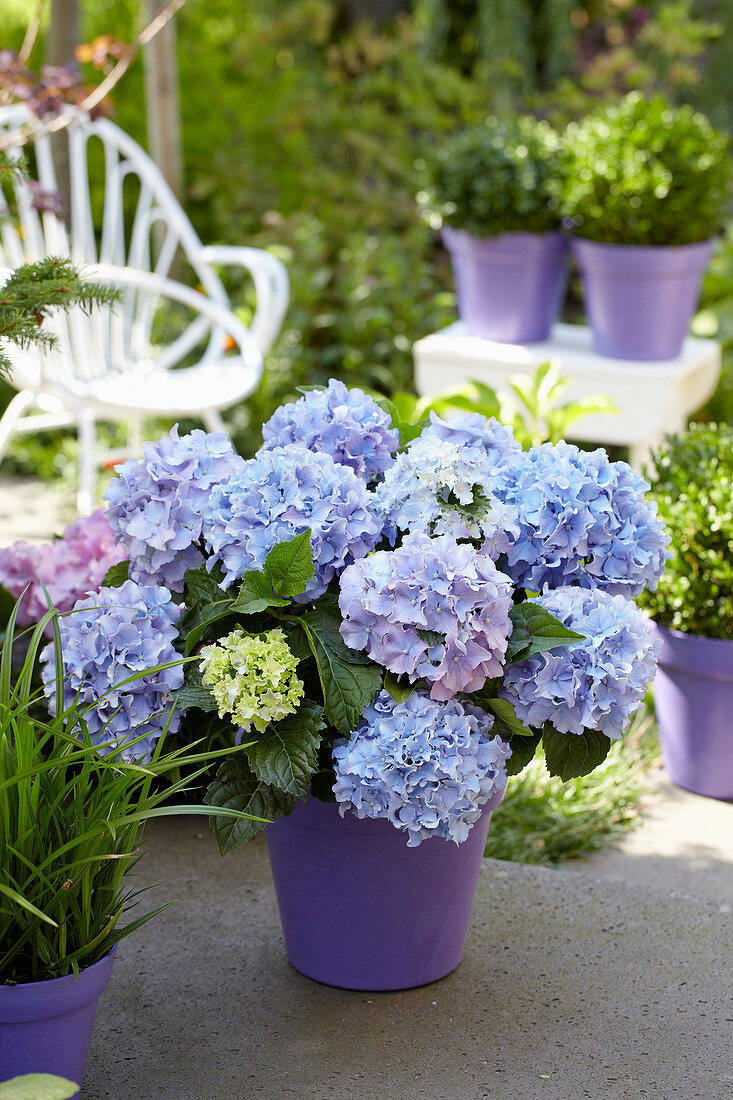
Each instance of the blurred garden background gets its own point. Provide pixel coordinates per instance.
(304, 129)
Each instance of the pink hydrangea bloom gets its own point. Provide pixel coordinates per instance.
(70, 567)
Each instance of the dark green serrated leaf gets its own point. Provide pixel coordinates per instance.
(237, 787)
(208, 615)
(569, 755)
(193, 693)
(409, 431)
(297, 642)
(523, 751)
(399, 692)
(286, 754)
(519, 639)
(349, 680)
(201, 586)
(545, 631)
(116, 575)
(255, 595)
(289, 565)
(430, 637)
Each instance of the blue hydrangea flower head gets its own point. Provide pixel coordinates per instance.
(476, 433)
(439, 486)
(156, 503)
(582, 519)
(107, 637)
(427, 767)
(278, 494)
(344, 423)
(596, 684)
(434, 609)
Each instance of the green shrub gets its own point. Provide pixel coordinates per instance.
(496, 177)
(642, 172)
(694, 488)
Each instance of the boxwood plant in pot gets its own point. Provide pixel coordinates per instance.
(646, 192)
(693, 609)
(495, 191)
(395, 616)
(76, 786)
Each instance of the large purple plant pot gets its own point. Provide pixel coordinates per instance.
(693, 698)
(46, 1027)
(509, 288)
(360, 909)
(640, 299)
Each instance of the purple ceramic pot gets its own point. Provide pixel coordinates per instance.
(693, 698)
(509, 288)
(360, 909)
(640, 299)
(46, 1027)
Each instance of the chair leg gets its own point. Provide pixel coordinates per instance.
(19, 404)
(213, 421)
(87, 485)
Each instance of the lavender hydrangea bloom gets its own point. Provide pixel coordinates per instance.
(495, 442)
(105, 639)
(344, 423)
(278, 494)
(433, 609)
(156, 504)
(440, 487)
(427, 767)
(596, 684)
(583, 520)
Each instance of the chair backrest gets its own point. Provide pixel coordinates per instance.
(139, 225)
(134, 191)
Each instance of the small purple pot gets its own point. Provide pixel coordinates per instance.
(361, 910)
(640, 298)
(509, 288)
(46, 1027)
(693, 698)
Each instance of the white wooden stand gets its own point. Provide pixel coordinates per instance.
(652, 398)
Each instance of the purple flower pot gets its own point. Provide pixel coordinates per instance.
(46, 1027)
(693, 698)
(360, 909)
(640, 299)
(509, 288)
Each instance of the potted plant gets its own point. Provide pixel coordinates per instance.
(494, 189)
(76, 786)
(363, 608)
(693, 609)
(646, 192)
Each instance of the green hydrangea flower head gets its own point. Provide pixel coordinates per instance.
(252, 677)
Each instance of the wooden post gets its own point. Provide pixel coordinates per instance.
(162, 104)
(61, 41)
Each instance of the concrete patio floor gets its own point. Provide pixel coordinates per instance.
(571, 987)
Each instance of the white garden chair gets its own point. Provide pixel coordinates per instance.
(109, 365)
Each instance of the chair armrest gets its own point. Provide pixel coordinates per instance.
(271, 286)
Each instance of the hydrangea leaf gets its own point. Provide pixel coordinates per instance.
(116, 575)
(523, 750)
(193, 693)
(350, 681)
(399, 691)
(286, 755)
(255, 595)
(289, 565)
(201, 586)
(506, 721)
(208, 615)
(569, 755)
(236, 787)
(38, 1086)
(545, 631)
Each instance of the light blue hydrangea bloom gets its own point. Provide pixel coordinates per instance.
(156, 503)
(434, 609)
(583, 520)
(495, 442)
(441, 487)
(106, 638)
(427, 767)
(344, 423)
(278, 494)
(596, 684)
